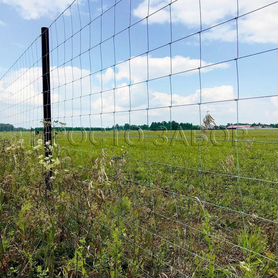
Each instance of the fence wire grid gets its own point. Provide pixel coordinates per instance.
(174, 86)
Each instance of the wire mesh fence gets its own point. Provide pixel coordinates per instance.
(184, 93)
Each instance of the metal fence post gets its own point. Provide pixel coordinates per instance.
(46, 101)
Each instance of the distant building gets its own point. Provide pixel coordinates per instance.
(239, 127)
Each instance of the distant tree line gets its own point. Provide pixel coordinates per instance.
(264, 125)
(154, 126)
(9, 127)
(170, 125)
(159, 126)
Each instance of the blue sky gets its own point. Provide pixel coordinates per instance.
(20, 23)
(16, 34)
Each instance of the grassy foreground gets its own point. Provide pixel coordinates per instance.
(151, 207)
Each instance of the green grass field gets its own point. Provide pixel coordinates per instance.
(157, 204)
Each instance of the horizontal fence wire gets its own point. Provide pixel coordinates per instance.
(186, 92)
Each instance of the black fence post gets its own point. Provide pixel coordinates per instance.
(46, 101)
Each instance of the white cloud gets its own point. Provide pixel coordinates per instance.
(221, 33)
(157, 67)
(20, 103)
(23, 89)
(224, 111)
(25, 93)
(21, 94)
(34, 9)
(220, 93)
(266, 111)
(258, 27)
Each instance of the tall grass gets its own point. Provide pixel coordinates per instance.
(113, 218)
